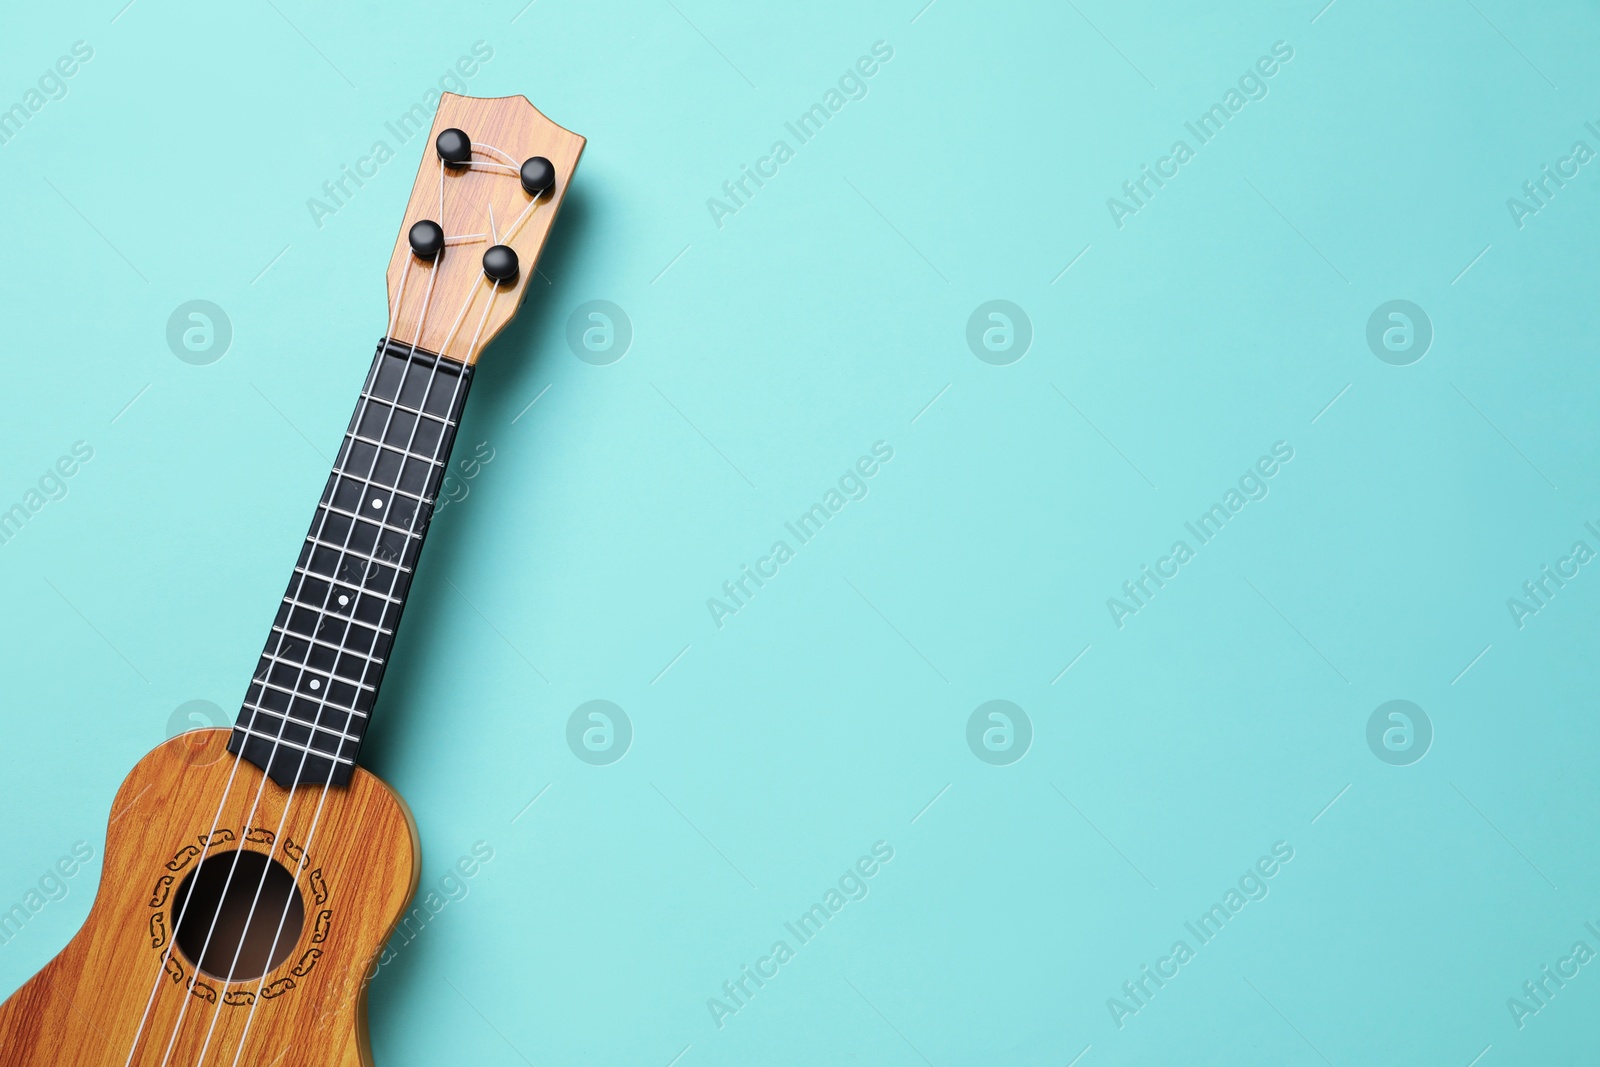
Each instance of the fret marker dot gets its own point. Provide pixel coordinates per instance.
(377, 503)
(343, 600)
(315, 684)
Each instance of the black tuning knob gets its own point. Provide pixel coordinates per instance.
(537, 175)
(427, 239)
(500, 263)
(455, 147)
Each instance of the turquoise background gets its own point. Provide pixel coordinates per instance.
(1227, 314)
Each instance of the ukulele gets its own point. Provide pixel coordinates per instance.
(252, 875)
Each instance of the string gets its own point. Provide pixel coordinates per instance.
(316, 818)
(471, 294)
(172, 941)
(400, 294)
(322, 706)
(496, 151)
(461, 376)
(494, 289)
(422, 319)
(144, 1017)
(305, 754)
(216, 819)
(427, 298)
(323, 702)
(515, 226)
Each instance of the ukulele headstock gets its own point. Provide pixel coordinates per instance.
(497, 187)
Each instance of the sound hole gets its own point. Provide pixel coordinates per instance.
(237, 930)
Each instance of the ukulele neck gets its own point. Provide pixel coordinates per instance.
(313, 691)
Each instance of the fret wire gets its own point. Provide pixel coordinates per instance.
(284, 636)
(300, 722)
(348, 585)
(315, 670)
(368, 518)
(344, 550)
(436, 464)
(439, 458)
(320, 697)
(332, 615)
(358, 555)
(364, 405)
(412, 411)
(284, 741)
(378, 660)
(369, 483)
(432, 461)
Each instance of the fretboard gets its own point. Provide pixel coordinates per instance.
(314, 688)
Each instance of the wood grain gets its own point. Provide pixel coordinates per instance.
(461, 294)
(84, 1007)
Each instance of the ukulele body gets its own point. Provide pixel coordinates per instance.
(144, 983)
(354, 881)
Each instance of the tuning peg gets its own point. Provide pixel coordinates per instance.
(427, 239)
(454, 147)
(500, 263)
(537, 175)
